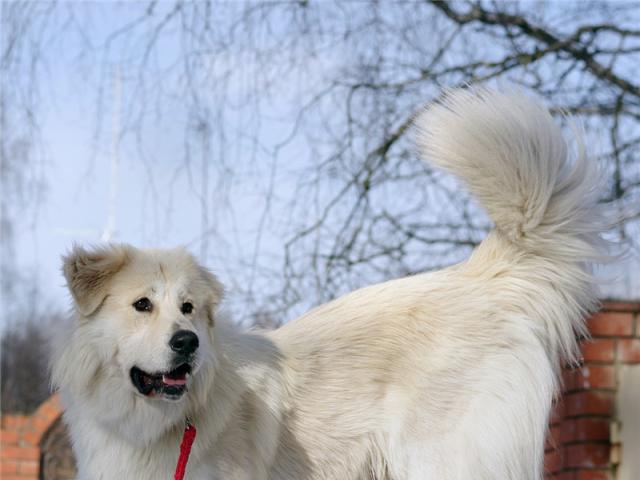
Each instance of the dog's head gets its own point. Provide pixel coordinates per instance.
(143, 339)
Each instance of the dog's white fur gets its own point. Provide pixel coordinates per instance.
(446, 375)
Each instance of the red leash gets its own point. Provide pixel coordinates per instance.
(188, 437)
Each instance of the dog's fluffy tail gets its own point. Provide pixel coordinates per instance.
(512, 156)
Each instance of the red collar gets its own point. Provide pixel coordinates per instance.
(188, 438)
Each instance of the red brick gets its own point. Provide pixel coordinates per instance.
(557, 413)
(31, 467)
(553, 441)
(629, 350)
(568, 430)
(590, 429)
(8, 466)
(598, 350)
(9, 437)
(564, 476)
(15, 422)
(593, 475)
(587, 455)
(621, 307)
(569, 380)
(611, 324)
(588, 403)
(584, 429)
(552, 461)
(48, 411)
(20, 453)
(595, 376)
(32, 437)
(41, 425)
(51, 409)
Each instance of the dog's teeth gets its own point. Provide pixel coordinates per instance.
(174, 381)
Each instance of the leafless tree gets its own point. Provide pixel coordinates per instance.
(24, 379)
(23, 27)
(25, 32)
(364, 208)
(313, 102)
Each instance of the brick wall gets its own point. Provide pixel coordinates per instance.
(582, 444)
(20, 439)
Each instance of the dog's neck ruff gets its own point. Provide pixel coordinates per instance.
(188, 438)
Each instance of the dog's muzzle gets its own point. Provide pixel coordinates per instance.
(170, 385)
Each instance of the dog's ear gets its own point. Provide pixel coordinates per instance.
(215, 292)
(88, 273)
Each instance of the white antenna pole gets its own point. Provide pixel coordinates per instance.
(112, 206)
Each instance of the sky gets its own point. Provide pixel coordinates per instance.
(76, 206)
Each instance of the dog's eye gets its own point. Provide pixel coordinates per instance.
(187, 308)
(143, 305)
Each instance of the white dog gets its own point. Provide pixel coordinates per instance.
(440, 376)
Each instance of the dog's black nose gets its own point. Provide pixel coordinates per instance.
(184, 342)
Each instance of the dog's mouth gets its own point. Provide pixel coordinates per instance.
(171, 385)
